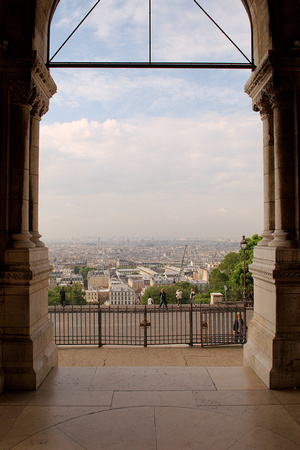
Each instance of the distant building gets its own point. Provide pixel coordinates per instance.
(161, 281)
(98, 279)
(68, 280)
(121, 294)
(124, 263)
(91, 296)
(136, 282)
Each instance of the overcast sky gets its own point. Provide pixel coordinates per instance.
(150, 153)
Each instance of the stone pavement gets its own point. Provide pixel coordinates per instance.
(151, 356)
(137, 406)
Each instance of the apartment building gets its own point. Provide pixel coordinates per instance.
(136, 282)
(98, 279)
(121, 294)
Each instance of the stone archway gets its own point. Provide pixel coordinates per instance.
(27, 351)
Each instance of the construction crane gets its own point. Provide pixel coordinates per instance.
(177, 278)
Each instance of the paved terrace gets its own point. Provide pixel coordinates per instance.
(150, 398)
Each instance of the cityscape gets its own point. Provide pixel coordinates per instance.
(123, 268)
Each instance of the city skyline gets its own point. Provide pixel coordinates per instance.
(147, 153)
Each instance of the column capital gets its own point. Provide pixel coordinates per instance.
(273, 79)
(30, 82)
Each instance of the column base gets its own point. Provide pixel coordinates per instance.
(28, 352)
(35, 238)
(28, 360)
(267, 237)
(283, 239)
(273, 339)
(22, 240)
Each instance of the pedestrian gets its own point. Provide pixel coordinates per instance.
(163, 300)
(63, 296)
(179, 297)
(238, 328)
(192, 296)
(150, 301)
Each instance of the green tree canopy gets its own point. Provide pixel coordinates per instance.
(170, 290)
(230, 273)
(74, 295)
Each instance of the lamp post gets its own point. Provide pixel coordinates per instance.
(243, 245)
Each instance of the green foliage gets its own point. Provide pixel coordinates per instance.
(154, 292)
(74, 295)
(76, 269)
(230, 273)
(84, 271)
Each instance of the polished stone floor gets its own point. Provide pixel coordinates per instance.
(150, 408)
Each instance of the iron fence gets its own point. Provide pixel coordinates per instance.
(147, 325)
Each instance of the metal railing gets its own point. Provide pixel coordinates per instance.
(147, 325)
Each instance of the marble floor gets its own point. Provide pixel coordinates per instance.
(150, 408)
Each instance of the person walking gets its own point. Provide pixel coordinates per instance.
(179, 297)
(163, 300)
(238, 328)
(62, 296)
(192, 296)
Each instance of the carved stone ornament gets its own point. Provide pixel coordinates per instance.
(43, 78)
(33, 84)
(25, 275)
(22, 91)
(273, 81)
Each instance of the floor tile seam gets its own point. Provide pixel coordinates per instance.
(13, 422)
(228, 414)
(294, 420)
(68, 437)
(282, 402)
(54, 425)
(278, 434)
(26, 437)
(244, 436)
(211, 379)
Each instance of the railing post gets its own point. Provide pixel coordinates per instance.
(245, 325)
(191, 325)
(145, 326)
(201, 326)
(99, 326)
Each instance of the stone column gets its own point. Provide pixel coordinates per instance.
(28, 351)
(266, 113)
(272, 348)
(19, 166)
(285, 189)
(34, 177)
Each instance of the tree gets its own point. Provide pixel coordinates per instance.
(230, 273)
(74, 295)
(76, 269)
(170, 290)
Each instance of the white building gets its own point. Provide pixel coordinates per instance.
(121, 294)
(161, 281)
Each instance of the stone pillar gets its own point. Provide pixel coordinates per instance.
(285, 189)
(28, 351)
(34, 178)
(272, 348)
(266, 113)
(19, 170)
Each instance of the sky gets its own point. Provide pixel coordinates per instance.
(150, 152)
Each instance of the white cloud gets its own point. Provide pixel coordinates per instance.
(129, 168)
